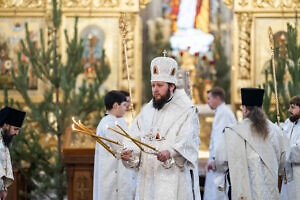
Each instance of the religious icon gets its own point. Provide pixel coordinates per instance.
(13, 31)
(93, 38)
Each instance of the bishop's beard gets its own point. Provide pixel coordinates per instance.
(159, 103)
(294, 118)
(7, 138)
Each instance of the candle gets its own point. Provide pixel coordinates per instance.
(83, 129)
(96, 136)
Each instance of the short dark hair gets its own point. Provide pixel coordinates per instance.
(113, 97)
(170, 84)
(217, 91)
(126, 94)
(295, 100)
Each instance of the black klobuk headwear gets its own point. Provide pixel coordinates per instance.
(252, 96)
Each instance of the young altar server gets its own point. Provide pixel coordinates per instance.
(112, 181)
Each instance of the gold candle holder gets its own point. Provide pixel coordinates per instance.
(96, 136)
(83, 129)
(134, 140)
(137, 144)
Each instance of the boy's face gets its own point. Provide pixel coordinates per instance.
(121, 109)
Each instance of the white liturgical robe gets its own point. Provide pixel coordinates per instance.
(112, 181)
(291, 189)
(254, 164)
(175, 128)
(223, 117)
(6, 173)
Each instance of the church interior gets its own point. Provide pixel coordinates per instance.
(58, 58)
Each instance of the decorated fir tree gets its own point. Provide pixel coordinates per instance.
(63, 98)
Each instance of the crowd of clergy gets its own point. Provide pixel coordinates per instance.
(157, 157)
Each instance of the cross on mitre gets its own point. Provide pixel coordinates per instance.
(165, 53)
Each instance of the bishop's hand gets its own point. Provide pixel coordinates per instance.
(163, 156)
(211, 166)
(126, 154)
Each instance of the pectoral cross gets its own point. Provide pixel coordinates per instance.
(165, 53)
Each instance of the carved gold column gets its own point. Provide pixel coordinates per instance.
(244, 42)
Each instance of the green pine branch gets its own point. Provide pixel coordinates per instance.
(62, 99)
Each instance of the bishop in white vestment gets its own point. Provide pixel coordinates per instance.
(173, 129)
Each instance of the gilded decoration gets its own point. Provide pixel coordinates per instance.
(245, 20)
(265, 3)
(243, 3)
(277, 3)
(38, 13)
(91, 3)
(250, 44)
(129, 3)
(72, 3)
(143, 3)
(228, 3)
(198, 92)
(22, 4)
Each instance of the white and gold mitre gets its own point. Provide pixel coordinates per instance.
(163, 69)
